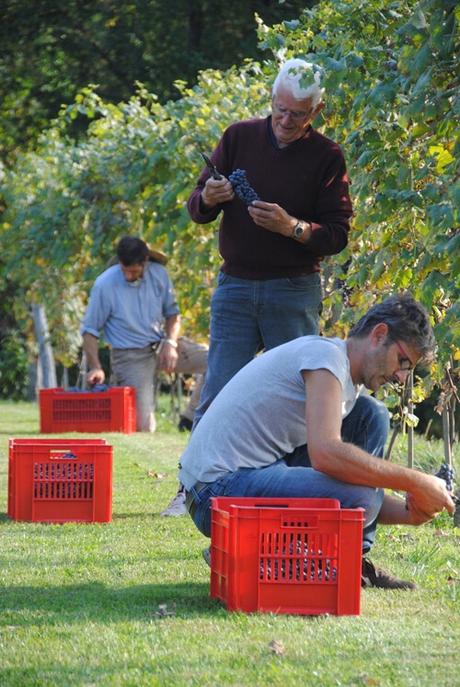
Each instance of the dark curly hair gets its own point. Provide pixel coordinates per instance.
(407, 321)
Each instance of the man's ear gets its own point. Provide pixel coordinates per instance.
(379, 333)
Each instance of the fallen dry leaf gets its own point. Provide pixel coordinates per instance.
(277, 647)
(164, 611)
(369, 681)
(156, 475)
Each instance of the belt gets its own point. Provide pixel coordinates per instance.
(190, 502)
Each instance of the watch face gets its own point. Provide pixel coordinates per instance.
(298, 230)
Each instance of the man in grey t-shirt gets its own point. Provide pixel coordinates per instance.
(297, 422)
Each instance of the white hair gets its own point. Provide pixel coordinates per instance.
(295, 71)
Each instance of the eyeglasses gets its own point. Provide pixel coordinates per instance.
(404, 361)
(297, 116)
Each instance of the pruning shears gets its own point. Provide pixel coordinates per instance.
(211, 167)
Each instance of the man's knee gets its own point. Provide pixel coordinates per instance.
(372, 407)
(377, 413)
(193, 357)
(371, 500)
(367, 425)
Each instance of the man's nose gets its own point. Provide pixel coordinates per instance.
(401, 375)
(286, 117)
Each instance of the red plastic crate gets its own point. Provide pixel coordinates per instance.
(59, 480)
(300, 556)
(113, 410)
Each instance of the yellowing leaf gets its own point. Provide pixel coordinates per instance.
(443, 157)
(156, 475)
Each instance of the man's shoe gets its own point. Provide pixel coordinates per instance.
(176, 507)
(185, 425)
(376, 577)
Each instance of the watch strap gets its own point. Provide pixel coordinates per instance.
(171, 342)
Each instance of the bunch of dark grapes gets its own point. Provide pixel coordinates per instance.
(242, 187)
(446, 473)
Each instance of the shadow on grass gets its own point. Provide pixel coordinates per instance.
(146, 515)
(96, 602)
(56, 675)
(25, 432)
(139, 514)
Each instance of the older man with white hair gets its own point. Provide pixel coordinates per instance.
(269, 286)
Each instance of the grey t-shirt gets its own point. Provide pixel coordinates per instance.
(259, 416)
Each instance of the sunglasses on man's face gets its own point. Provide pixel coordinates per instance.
(404, 361)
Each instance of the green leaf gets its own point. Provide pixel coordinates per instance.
(440, 216)
(418, 19)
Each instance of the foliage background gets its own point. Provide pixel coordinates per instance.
(392, 83)
(47, 55)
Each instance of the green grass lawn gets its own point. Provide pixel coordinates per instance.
(127, 603)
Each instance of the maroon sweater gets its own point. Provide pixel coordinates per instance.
(307, 178)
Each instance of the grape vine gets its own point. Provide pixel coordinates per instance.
(392, 85)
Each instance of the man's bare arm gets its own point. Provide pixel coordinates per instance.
(348, 463)
(96, 374)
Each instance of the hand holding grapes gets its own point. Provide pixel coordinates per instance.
(415, 515)
(430, 496)
(271, 216)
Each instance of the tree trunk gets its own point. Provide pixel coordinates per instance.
(45, 350)
(65, 378)
(446, 435)
(34, 380)
(195, 25)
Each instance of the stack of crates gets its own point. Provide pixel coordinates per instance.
(60, 480)
(113, 410)
(300, 556)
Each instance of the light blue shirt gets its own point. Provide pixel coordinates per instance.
(130, 315)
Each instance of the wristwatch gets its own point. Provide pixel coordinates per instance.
(298, 230)
(171, 342)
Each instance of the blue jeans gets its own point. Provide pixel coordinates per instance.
(248, 316)
(366, 426)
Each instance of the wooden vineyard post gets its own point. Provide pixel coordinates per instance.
(410, 427)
